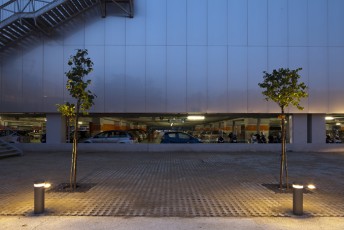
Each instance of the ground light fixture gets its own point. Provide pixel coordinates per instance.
(311, 186)
(39, 191)
(195, 118)
(298, 197)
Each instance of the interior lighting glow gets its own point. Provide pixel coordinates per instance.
(329, 118)
(195, 118)
(171, 124)
(338, 123)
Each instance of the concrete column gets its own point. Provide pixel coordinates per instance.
(56, 129)
(318, 129)
(299, 129)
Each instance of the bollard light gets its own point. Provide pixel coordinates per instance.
(297, 199)
(39, 190)
(311, 186)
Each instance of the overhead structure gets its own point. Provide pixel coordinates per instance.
(19, 18)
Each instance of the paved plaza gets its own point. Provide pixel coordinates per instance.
(173, 185)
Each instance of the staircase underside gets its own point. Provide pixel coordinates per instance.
(24, 20)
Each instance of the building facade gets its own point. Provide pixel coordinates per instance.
(186, 57)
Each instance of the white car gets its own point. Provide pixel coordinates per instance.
(112, 136)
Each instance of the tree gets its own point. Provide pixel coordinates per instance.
(282, 86)
(80, 67)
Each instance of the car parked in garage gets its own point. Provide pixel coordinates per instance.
(112, 136)
(178, 137)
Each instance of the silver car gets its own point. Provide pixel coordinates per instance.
(111, 136)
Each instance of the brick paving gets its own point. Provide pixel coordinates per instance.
(170, 184)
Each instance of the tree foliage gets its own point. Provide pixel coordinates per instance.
(283, 87)
(80, 66)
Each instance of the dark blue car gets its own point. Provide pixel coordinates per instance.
(178, 137)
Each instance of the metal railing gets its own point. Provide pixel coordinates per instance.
(19, 18)
(21, 6)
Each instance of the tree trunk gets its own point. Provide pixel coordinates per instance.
(75, 141)
(74, 151)
(284, 140)
(71, 175)
(283, 164)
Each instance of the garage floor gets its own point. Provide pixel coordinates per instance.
(167, 184)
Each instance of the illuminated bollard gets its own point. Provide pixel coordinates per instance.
(39, 191)
(298, 199)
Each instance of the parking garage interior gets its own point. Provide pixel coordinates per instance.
(30, 127)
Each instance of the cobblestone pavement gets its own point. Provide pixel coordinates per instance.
(173, 184)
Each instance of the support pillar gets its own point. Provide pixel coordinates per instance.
(318, 128)
(299, 129)
(56, 129)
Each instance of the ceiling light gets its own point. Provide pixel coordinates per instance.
(329, 118)
(195, 118)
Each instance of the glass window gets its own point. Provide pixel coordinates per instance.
(172, 135)
(184, 136)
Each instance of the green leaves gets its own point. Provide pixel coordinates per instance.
(282, 86)
(67, 109)
(80, 67)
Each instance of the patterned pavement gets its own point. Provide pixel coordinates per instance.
(170, 184)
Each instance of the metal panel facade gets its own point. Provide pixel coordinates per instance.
(297, 23)
(335, 22)
(196, 82)
(32, 79)
(217, 80)
(98, 76)
(237, 79)
(178, 56)
(298, 58)
(115, 79)
(12, 83)
(176, 79)
(336, 68)
(53, 76)
(156, 79)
